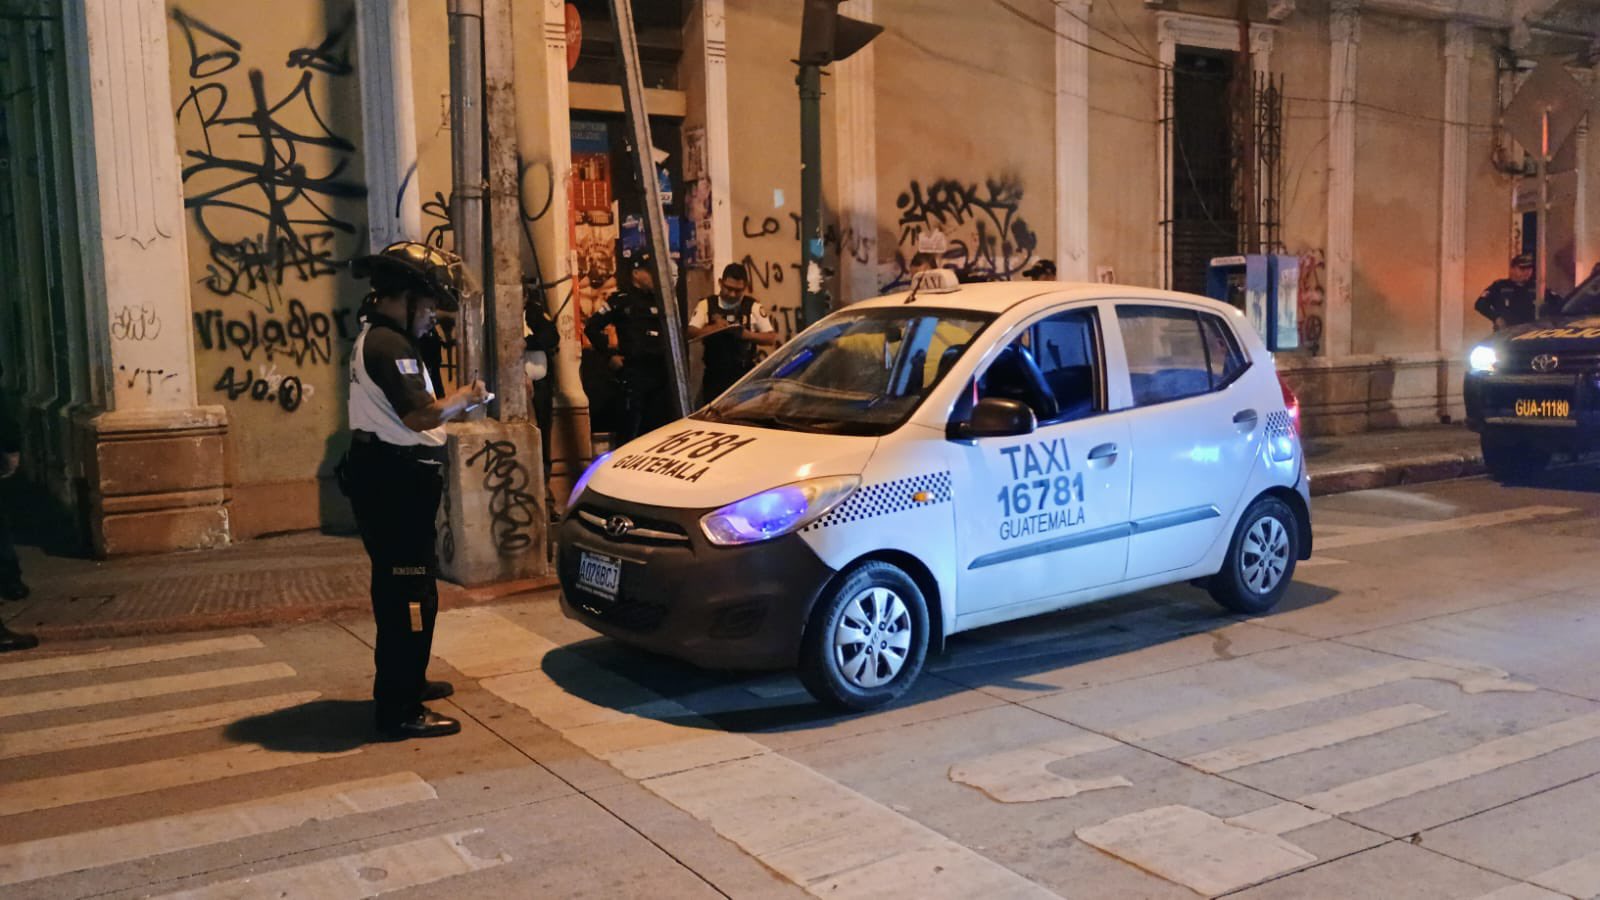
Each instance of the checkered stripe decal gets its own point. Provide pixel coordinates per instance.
(886, 498)
(1279, 425)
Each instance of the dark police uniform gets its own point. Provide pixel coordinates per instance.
(1513, 301)
(395, 476)
(728, 356)
(646, 379)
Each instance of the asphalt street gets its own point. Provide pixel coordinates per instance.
(1420, 718)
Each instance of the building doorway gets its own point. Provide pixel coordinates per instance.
(1204, 220)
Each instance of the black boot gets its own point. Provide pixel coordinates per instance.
(10, 640)
(437, 690)
(13, 589)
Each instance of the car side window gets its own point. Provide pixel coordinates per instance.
(1052, 366)
(1166, 351)
(1222, 351)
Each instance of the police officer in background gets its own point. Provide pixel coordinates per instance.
(732, 326)
(640, 357)
(394, 473)
(1509, 301)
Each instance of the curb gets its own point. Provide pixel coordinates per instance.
(450, 597)
(1416, 470)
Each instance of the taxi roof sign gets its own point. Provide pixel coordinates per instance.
(933, 281)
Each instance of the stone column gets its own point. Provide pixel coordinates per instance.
(1072, 141)
(153, 458)
(714, 31)
(855, 112)
(1344, 41)
(544, 132)
(1458, 47)
(388, 122)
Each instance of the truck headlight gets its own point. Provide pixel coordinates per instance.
(776, 512)
(1481, 359)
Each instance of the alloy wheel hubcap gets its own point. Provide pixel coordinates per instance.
(1264, 558)
(873, 638)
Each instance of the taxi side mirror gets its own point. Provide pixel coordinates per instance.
(996, 417)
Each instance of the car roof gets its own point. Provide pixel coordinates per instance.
(998, 297)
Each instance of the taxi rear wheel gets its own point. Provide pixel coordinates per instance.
(867, 638)
(1261, 558)
(1510, 462)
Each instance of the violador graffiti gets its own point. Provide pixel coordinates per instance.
(302, 335)
(287, 391)
(981, 227)
(266, 212)
(512, 510)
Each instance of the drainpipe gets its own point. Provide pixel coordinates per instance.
(466, 144)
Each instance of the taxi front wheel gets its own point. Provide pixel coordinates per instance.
(867, 638)
(1261, 558)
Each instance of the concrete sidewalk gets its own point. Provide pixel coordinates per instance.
(308, 576)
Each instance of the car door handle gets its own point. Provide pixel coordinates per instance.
(1103, 455)
(1246, 420)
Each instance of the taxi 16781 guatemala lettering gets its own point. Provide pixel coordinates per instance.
(1044, 494)
(684, 455)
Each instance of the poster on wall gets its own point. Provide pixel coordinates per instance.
(594, 219)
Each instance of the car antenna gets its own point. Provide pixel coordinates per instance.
(933, 281)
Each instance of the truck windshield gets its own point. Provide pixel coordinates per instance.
(859, 373)
(1585, 299)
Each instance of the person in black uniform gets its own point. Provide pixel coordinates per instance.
(1509, 301)
(640, 357)
(732, 327)
(394, 473)
(11, 586)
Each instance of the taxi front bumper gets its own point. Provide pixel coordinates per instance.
(719, 607)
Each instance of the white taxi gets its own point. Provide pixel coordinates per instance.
(935, 461)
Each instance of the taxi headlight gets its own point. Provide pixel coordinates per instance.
(1481, 359)
(776, 512)
(583, 480)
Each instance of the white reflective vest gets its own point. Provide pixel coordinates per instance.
(371, 411)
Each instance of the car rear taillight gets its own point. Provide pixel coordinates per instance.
(1290, 403)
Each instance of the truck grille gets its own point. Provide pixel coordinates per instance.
(1570, 363)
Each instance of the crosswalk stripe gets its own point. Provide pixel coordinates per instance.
(382, 871)
(123, 691)
(142, 778)
(1023, 776)
(111, 659)
(1460, 523)
(1450, 768)
(1195, 849)
(1580, 878)
(1521, 891)
(132, 728)
(1471, 678)
(46, 857)
(727, 780)
(1316, 737)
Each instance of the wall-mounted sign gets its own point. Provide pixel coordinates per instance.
(574, 36)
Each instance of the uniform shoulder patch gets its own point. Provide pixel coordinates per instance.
(408, 366)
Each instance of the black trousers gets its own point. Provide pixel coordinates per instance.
(396, 501)
(717, 381)
(646, 403)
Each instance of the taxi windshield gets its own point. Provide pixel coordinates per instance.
(859, 373)
(1585, 299)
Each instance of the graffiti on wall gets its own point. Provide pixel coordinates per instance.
(1312, 295)
(265, 179)
(512, 510)
(983, 233)
(136, 323)
(299, 335)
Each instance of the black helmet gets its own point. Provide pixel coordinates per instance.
(408, 265)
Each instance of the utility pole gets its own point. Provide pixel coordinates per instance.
(466, 157)
(825, 37)
(655, 220)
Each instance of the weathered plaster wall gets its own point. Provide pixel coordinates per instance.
(269, 137)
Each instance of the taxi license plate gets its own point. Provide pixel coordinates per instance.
(1543, 409)
(599, 574)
